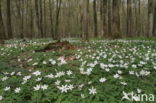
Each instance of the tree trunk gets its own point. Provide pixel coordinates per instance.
(31, 20)
(154, 21)
(41, 19)
(51, 18)
(45, 19)
(9, 27)
(150, 17)
(37, 17)
(129, 18)
(110, 17)
(86, 21)
(56, 35)
(104, 16)
(2, 30)
(116, 20)
(22, 18)
(95, 19)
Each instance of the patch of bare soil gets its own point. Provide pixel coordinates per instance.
(58, 46)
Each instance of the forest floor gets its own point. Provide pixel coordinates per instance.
(99, 71)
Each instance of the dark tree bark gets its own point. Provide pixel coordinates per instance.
(31, 20)
(22, 18)
(150, 17)
(58, 7)
(116, 32)
(45, 19)
(139, 19)
(110, 17)
(154, 21)
(9, 26)
(51, 18)
(86, 21)
(95, 19)
(104, 16)
(41, 19)
(2, 30)
(37, 16)
(129, 18)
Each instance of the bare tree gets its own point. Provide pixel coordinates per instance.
(58, 7)
(95, 19)
(104, 16)
(86, 20)
(2, 30)
(150, 17)
(154, 21)
(51, 7)
(110, 17)
(129, 17)
(116, 19)
(9, 26)
(41, 19)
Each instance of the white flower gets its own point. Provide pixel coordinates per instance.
(92, 91)
(59, 74)
(69, 72)
(19, 74)
(62, 61)
(38, 79)
(1, 97)
(24, 82)
(107, 69)
(19, 60)
(12, 73)
(29, 60)
(57, 82)
(6, 88)
(37, 73)
(131, 72)
(144, 73)
(141, 62)
(63, 88)
(53, 62)
(90, 82)
(50, 60)
(102, 80)
(67, 80)
(4, 78)
(35, 64)
(123, 83)
(50, 76)
(44, 87)
(103, 66)
(80, 86)
(70, 87)
(119, 72)
(26, 78)
(82, 96)
(44, 62)
(89, 70)
(134, 66)
(92, 65)
(17, 90)
(37, 87)
(137, 74)
(116, 76)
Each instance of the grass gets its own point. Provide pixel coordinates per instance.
(127, 66)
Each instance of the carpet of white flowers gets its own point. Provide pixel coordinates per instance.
(99, 72)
